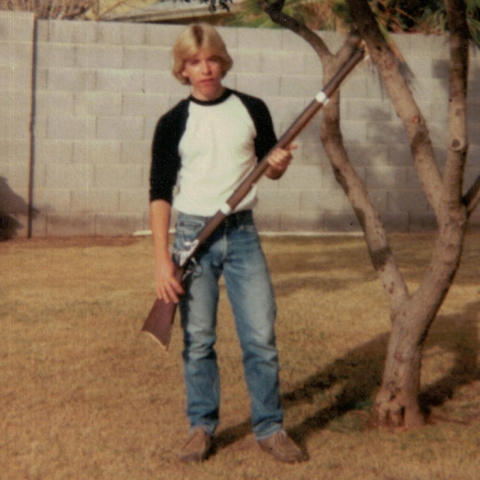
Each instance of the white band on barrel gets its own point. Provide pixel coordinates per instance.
(226, 209)
(322, 98)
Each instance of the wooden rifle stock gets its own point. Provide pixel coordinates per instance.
(160, 320)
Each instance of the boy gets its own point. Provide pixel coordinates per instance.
(205, 146)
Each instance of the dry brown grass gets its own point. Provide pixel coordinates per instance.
(85, 396)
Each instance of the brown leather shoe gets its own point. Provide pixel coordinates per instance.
(197, 447)
(282, 447)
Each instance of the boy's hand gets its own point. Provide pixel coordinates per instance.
(167, 286)
(279, 160)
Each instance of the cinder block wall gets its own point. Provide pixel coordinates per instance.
(101, 87)
(16, 101)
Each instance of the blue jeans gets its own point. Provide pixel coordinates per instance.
(233, 250)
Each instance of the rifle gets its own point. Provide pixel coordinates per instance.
(160, 319)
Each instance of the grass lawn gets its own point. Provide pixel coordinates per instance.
(84, 395)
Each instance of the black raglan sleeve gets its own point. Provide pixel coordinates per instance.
(165, 157)
(258, 110)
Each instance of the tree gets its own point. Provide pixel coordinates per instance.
(412, 313)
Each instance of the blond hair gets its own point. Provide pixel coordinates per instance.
(195, 37)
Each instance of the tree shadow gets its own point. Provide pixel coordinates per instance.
(457, 334)
(11, 205)
(357, 376)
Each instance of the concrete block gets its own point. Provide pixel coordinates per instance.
(140, 104)
(135, 152)
(301, 222)
(301, 177)
(15, 103)
(354, 131)
(147, 58)
(52, 200)
(364, 155)
(14, 126)
(21, 78)
(300, 86)
(282, 63)
(119, 176)
(120, 81)
(360, 109)
(69, 224)
(14, 151)
(357, 87)
(133, 200)
(403, 42)
(109, 33)
(16, 54)
(386, 177)
(18, 174)
(440, 68)
(58, 55)
(407, 200)
(267, 222)
(150, 126)
(5, 78)
(42, 30)
(433, 88)
(395, 222)
(325, 201)
(94, 200)
(118, 224)
(378, 197)
(73, 175)
(278, 202)
(120, 128)
(99, 56)
(162, 35)
(230, 36)
(473, 112)
(248, 62)
(473, 90)
(313, 66)
(53, 152)
(41, 74)
(133, 34)
(383, 132)
(97, 152)
(259, 85)
(39, 176)
(163, 83)
(422, 222)
(343, 222)
(71, 79)
(16, 26)
(313, 153)
(61, 31)
(49, 103)
(98, 104)
(40, 128)
(284, 109)
(259, 39)
(71, 128)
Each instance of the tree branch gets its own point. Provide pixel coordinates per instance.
(457, 109)
(403, 100)
(274, 11)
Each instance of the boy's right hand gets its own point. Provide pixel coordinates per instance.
(167, 286)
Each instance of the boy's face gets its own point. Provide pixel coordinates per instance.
(204, 72)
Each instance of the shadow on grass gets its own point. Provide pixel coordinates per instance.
(359, 375)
